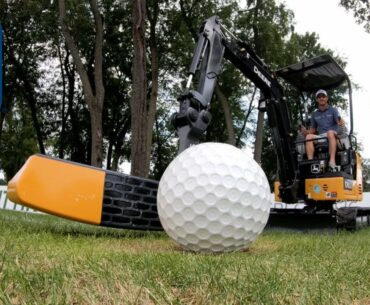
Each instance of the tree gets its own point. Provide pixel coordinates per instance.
(71, 140)
(153, 15)
(118, 52)
(227, 114)
(145, 84)
(360, 9)
(33, 50)
(164, 149)
(18, 140)
(221, 128)
(266, 26)
(139, 107)
(22, 56)
(139, 81)
(93, 88)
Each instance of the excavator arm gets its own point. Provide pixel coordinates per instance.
(214, 44)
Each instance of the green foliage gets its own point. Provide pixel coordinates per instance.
(164, 148)
(360, 10)
(18, 142)
(41, 60)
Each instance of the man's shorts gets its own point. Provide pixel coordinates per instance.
(322, 135)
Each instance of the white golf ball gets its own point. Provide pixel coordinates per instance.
(213, 198)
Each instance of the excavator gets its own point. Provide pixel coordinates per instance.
(106, 198)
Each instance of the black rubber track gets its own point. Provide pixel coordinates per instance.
(131, 203)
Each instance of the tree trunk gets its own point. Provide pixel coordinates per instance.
(227, 114)
(96, 116)
(249, 111)
(153, 19)
(186, 8)
(259, 137)
(64, 95)
(119, 144)
(109, 155)
(78, 151)
(139, 123)
(93, 99)
(32, 103)
(260, 121)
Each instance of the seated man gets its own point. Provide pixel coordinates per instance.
(325, 121)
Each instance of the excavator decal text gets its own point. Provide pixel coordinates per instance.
(261, 76)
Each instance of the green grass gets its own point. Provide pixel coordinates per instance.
(48, 260)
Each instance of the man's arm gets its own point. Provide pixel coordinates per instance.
(313, 125)
(338, 119)
(341, 122)
(306, 131)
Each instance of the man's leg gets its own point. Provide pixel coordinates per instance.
(310, 149)
(332, 146)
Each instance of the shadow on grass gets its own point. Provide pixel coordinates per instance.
(41, 223)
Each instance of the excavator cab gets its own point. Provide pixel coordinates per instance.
(318, 186)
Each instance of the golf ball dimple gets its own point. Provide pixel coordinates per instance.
(213, 198)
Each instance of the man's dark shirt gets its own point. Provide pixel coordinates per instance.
(325, 120)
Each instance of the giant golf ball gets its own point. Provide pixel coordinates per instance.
(213, 198)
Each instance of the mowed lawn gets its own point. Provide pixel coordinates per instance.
(48, 260)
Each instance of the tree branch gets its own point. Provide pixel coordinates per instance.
(98, 56)
(74, 52)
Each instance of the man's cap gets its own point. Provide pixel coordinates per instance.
(321, 91)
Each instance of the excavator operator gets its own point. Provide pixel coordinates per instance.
(325, 122)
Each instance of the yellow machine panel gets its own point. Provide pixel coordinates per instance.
(276, 191)
(333, 188)
(359, 171)
(60, 188)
